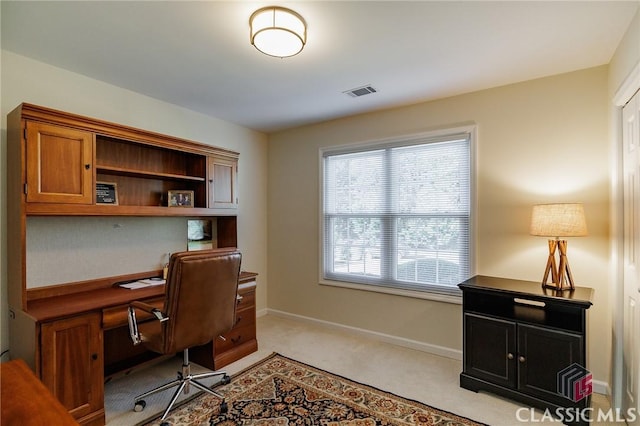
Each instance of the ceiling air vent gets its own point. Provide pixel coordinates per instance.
(360, 91)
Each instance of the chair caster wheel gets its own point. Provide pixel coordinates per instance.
(224, 408)
(225, 379)
(139, 405)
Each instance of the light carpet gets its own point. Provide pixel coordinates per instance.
(281, 391)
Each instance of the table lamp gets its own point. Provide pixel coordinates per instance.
(558, 220)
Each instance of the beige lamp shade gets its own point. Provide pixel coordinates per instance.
(558, 220)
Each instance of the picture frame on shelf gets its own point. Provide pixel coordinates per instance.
(180, 198)
(107, 193)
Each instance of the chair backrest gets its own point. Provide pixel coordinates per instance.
(201, 297)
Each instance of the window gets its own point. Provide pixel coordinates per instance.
(398, 214)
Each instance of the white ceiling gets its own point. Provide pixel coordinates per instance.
(197, 54)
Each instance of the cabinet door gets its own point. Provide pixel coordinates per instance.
(489, 349)
(72, 363)
(59, 164)
(222, 176)
(542, 354)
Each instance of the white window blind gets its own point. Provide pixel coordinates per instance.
(399, 214)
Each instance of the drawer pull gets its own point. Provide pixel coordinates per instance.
(238, 319)
(522, 359)
(509, 355)
(236, 340)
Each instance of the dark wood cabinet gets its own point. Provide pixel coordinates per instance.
(542, 353)
(519, 337)
(490, 348)
(72, 365)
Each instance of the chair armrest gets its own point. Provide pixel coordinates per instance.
(133, 322)
(160, 316)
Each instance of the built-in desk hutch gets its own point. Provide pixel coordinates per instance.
(74, 334)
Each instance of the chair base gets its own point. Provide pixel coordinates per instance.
(184, 380)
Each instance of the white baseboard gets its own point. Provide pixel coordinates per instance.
(400, 341)
(599, 386)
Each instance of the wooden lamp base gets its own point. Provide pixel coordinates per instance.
(561, 279)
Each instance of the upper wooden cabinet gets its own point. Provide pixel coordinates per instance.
(63, 157)
(223, 183)
(59, 164)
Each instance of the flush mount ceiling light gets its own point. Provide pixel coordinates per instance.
(277, 31)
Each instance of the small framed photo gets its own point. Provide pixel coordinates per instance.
(180, 198)
(107, 193)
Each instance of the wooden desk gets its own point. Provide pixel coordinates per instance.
(75, 340)
(71, 334)
(26, 401)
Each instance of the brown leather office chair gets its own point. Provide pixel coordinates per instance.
(201, 293)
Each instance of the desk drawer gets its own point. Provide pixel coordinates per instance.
(244, 331)
(248, 300)
(117, 316)
(244, 317)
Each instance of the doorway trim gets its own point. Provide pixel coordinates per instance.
(628, 88)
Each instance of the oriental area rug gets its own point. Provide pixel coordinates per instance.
(279, 391)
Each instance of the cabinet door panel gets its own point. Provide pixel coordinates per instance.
(489, 349)
(222, 183)
(543, 353)
(72, 363)
(59, 164)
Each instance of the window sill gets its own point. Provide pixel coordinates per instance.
(438, 297)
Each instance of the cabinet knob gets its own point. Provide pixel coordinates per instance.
(87, 166)
(509, 355)
(522, 359)
(94, 356)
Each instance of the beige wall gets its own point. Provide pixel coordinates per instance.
(538, 141)
(627, 55)
(25, 80)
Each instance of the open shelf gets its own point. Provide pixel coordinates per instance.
(505, 306)
(122, 171)
(120, 210)
(144, 173)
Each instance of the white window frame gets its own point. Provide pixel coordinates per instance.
(453, 295)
